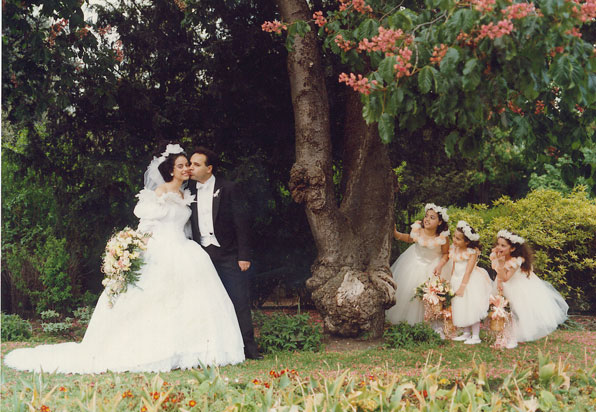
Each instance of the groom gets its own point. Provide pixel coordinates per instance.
(220, 225)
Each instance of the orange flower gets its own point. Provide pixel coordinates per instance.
(191, 403)
(63, 389)
(143, 409)
(44, 408)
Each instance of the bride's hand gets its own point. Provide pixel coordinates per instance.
(244, 265)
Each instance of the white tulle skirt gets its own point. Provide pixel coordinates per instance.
(538, 309)
(177, 316)
(472, 307)
(412, 268)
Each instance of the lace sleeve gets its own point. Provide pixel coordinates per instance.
(150, 209)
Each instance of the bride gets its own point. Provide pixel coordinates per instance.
(178, 315)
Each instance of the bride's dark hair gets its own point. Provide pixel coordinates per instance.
(166, 168)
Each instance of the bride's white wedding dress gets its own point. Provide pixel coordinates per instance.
(177, 316)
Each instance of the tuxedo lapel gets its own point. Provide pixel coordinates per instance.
(216, 199)
(194, 216)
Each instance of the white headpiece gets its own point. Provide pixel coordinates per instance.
(505, 234)
(467, 231)
(440, 210)
(153, 178)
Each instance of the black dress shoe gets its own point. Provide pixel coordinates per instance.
(253, 354)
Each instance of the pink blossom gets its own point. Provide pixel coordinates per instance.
(574, 32)
(319, 19)
(274, 26)
(360, 84)
(343, 44)
(438, 53)
(585, 11)
(518, 10)
(385, 41)
(483, 6)
(493, 31)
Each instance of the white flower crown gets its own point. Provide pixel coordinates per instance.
(170, 149)
(440, 210)
(467, 231)
(505, 234)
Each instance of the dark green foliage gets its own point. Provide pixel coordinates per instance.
(282, 332)
(404, 335)
(14, 328)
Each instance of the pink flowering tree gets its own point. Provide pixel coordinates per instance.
(468, 67)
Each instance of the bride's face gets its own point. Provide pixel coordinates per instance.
(181, 168)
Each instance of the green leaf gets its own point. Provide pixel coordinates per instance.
(386, 69)
(367, 29)
(450, 60)
(471, 78)
(567, 72)
(386, 127)
(461, 20)
(403, 19)
(425, 79)
(450, 143)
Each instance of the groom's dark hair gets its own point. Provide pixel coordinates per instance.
(212, 158)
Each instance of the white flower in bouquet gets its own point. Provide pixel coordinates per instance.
(122, 261)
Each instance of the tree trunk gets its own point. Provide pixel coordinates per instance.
(351, 283)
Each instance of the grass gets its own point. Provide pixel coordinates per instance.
(577, 347)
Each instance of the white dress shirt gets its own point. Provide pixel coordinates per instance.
(205, 212)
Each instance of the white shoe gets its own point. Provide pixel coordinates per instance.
(463, 336)
(473, 340)
(511, 345)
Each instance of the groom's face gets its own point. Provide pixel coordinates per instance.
(199, 171)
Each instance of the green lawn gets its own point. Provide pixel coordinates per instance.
(576, 347)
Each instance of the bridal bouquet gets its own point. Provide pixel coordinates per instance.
(122, 261)
(436, 294)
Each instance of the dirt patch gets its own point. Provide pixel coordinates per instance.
(336, 344)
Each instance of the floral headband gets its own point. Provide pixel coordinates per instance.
(170, 149)
(505, 234)
(440, 210)
(467, 230)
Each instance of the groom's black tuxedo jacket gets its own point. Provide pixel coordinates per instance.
(230, 222)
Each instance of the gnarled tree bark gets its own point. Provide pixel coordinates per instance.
(351, 283)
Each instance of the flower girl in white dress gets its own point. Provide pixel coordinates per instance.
(419, 262)
(471, 284)
(536, 306)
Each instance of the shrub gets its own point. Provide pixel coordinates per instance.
(289, 333)
(83, 314)
(15, 328)
(560, 228)
(404, 335)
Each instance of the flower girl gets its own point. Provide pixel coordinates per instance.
(419, 262)
(471, 284)
(536, 306)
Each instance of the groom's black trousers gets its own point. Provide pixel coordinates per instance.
(237, 285)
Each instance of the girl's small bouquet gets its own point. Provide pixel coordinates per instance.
(499, 315)
(436, 294)
(122, 261)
